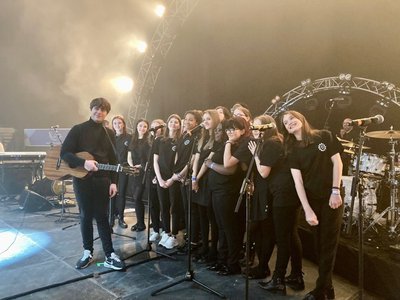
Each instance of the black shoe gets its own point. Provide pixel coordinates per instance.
(85, 261)
(134, 227)
(330, 293)
(227, 271)
(122, 223)
(216, 267)
(314, 295)
(140, 228)
(276, 286)
(295, 282)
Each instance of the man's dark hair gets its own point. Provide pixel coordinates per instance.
(101, 103)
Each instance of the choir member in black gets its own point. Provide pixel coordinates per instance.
(156, 131)
(316, 167)
(285, 206)
(137, 157)
(191, 121)
(94, 192)
(223, 112)
(225, 187)
(168, 190)
(201, 196)
(242, 112)
(122, 142)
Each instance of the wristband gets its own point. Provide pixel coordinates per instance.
(212, 165)
(228, 142)
(194, 178)
(335, 188)
(335, 192)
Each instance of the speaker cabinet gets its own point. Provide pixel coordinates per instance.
(31, 202)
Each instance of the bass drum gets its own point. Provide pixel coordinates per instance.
(372, 164)
(369, 196)
(47, 188)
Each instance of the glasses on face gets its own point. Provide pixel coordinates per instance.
(239, 115)
(230, 130)
(217, 130)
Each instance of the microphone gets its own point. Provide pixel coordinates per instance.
(157, 127)
(378, 119)
(336, 99)
(263, 126)
(197, 129)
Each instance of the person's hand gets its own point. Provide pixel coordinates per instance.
(207, 162)
(162, 183)
(91, 165)
(113, 190)
(195, 186)
(252, 147)
(311, 217)
(335, 201)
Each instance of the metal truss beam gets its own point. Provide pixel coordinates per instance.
(176, 14)
(384, 90)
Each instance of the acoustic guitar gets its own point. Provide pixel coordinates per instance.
(57, 169)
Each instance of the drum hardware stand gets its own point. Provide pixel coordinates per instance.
(190, 275)
(392, 211)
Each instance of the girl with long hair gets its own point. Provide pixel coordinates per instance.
(137, 157)
(316, 167)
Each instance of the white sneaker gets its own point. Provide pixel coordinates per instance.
(154, 236)
(164, 238)
(171, 243)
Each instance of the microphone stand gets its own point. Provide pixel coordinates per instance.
(332, 103)
(189, 276)
(244, 189)
(147, 181)
(355, 186)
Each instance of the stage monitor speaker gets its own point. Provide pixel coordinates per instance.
(31, 202)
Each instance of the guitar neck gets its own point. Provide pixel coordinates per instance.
(105, 167)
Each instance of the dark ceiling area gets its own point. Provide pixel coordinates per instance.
(56, 56)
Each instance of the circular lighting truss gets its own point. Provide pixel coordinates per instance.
(176, 13)
(343, 83)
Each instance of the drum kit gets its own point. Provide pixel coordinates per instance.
(375, 173)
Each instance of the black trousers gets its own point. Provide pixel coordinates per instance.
(92, 195)
(154, 206)
(326, 238)
(230, 233)
(171, 207)
(287, 240)
(120, 199)
(138, 189)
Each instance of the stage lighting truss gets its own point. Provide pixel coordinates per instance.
(175, 16)
(344, 83)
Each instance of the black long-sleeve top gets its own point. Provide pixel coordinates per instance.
(91, 137)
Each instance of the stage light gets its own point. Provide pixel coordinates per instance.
(122, 84)
(141, 46)
(306, 82)
(345, 77)
(159, 10)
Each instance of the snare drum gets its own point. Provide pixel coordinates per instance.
(372, 164)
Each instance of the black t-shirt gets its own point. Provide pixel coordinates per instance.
(122, 145)
(242, 152)
(140, 153)
(218, 181)
(183, 149)
(280, 180)
(314, 162)
(165, 148)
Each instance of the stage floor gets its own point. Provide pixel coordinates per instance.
(38, 256)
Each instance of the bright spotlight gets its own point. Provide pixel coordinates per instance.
(123, 84)
(141, 46)
(159, 10)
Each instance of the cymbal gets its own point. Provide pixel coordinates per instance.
(343, 140)
(384, 134)
(354, 145)
(348, 151)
